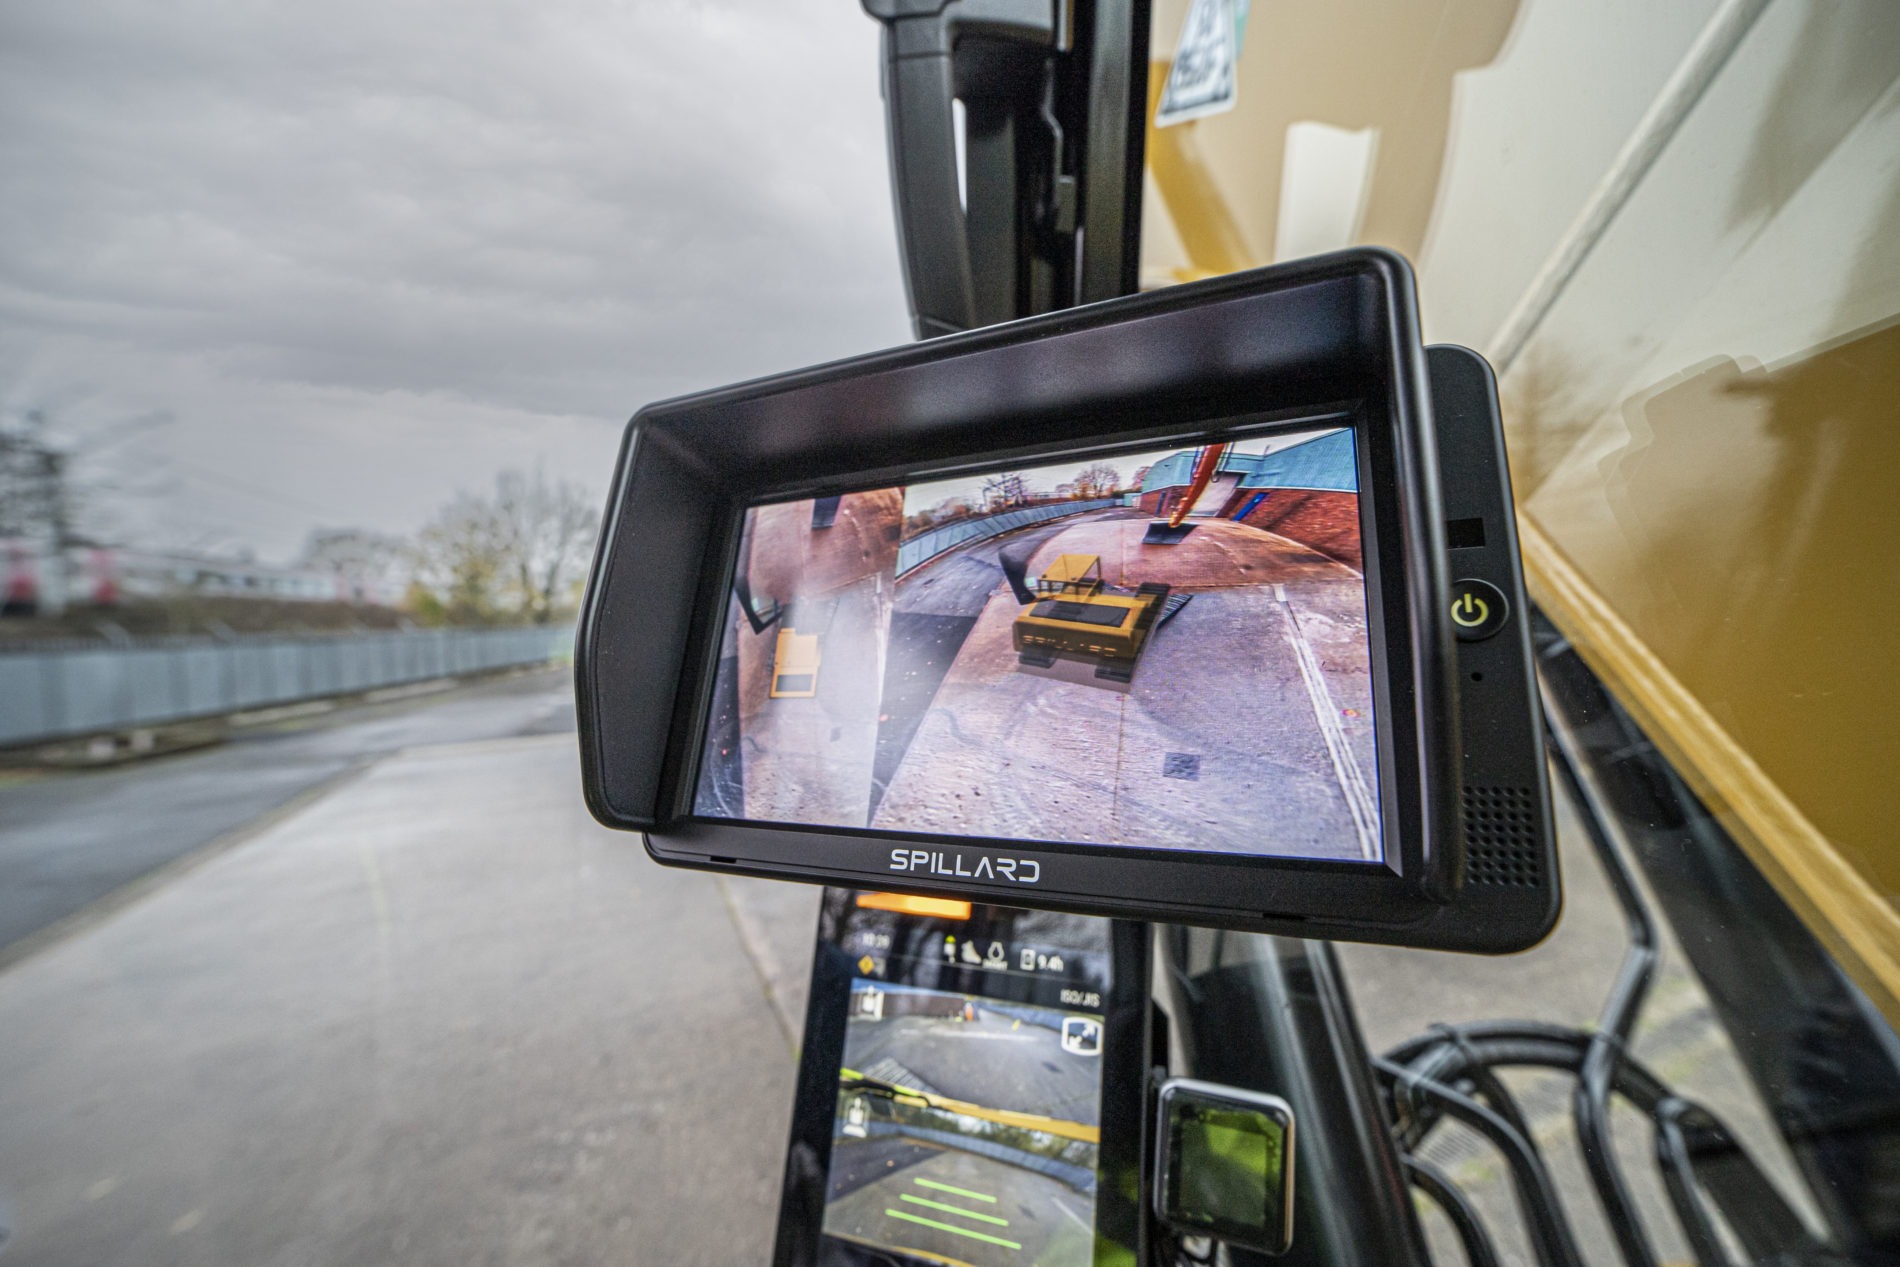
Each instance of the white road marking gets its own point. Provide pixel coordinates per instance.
(1352, 780)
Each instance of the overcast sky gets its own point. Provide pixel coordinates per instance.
(358, 254)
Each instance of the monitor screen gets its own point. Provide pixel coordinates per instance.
(1159, 649)
(968, 1120)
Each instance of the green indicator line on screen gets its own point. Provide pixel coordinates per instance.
(951, 1209)
(957, 1192)
(985, 1237)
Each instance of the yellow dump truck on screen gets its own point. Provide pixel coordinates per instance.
(1081, 617)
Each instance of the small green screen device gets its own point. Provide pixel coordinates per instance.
(1224, 1164)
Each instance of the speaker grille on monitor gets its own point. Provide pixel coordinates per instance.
(1501, 837)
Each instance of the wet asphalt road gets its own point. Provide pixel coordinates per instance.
(68, 840)
(873, 1161)
(436, 1017)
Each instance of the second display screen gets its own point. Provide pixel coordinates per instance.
(1165, 649)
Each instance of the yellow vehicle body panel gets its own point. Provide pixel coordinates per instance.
(1091, 634)
(1696, 338)
(795, 665)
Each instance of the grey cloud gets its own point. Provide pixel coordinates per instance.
(546, 211)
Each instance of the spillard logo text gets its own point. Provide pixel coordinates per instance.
(936, 862)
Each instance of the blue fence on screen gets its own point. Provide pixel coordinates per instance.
(926, 546)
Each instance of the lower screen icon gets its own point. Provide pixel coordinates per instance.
(1081, 1036)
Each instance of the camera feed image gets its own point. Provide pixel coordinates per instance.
(1163, 649)
(968, 1129)
(794, 730)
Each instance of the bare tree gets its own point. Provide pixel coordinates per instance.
(548, 529)
(459, 563)
(371, 566)
(1004, 490)
(36, 494)
(1098, 479)
(58, 487)
(517, 555)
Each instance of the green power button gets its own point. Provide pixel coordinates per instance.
(1478, 609)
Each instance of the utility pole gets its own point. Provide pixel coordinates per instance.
(35, 496)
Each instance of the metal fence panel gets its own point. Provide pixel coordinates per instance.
(326, 671)
(88, 689)
(23, 695)
(62, 691)
(205, 675)
(147, 681)
(926, 546)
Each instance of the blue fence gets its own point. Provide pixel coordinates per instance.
(51, 693)
(926, 546)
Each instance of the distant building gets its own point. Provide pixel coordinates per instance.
(120, 575)
(33, 583)
(1307, 492)
(373, 568)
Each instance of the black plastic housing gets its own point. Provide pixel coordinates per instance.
(1327, 338)
(1175, 1101)
(1509, 892)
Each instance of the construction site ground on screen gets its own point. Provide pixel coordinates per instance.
(1163, 649)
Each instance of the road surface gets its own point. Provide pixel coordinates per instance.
(1247, 726)
(433, 1014)
(941, 1178)
(68, 840)
(952, 1206)
(995, 1061)
(936, 608)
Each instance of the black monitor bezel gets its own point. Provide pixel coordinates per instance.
(1350, 323)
